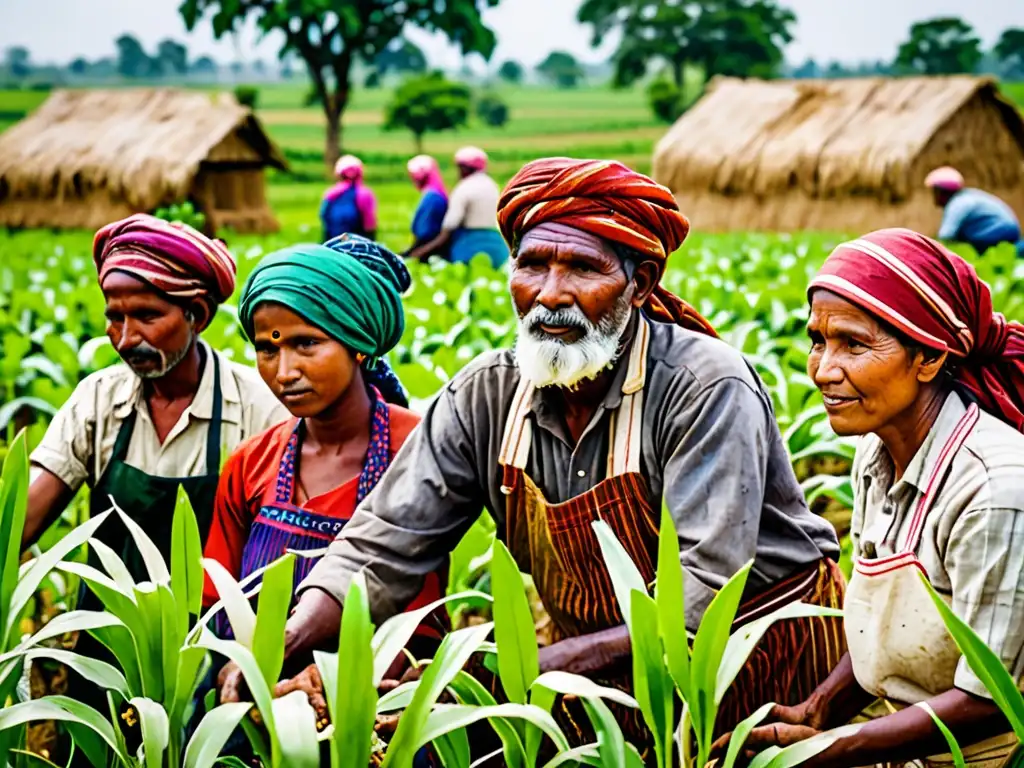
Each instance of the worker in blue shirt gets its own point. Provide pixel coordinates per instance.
(970, 215)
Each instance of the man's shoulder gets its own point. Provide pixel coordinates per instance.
(493, 366)
(113, 383)
(703, 358)
(258, 402)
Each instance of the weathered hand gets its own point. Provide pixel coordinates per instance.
(774, 735)
(310, 683)
(231, 684)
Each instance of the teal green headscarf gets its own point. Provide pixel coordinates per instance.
(356, 303)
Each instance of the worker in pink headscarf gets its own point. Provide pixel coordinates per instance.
(470, 227)
(433, 205)
(349, 207)
(971, 216)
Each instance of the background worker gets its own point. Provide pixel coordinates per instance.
(971, 216)
(349, 207)
(433, 204)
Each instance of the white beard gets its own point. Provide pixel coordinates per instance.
(550, 362)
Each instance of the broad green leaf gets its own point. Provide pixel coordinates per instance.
(30, 580)
(708, 649)
(452, 655)
(652, 683)
(213, 733)
(449, 717)
(514, 630)
(393, 635)
(794, 755)
(984, 663)
(99, 672)
(155, 731)
(186, 560)
(193, 664)
(624, 573)
(610, 741)
(13, 508)
(299, 747)
(743, 641)
(271, 616)
(354, 700)
(742, 731)
(453, 749)
(469, 691)
(153, 655)
(399, 698)
(588, 754)
(669, 596)
(115, 567)
(567, 683)
(237, 607)
(954, 747)
(63, 623)
(65, 710)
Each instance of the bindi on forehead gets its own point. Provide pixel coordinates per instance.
(275, 335)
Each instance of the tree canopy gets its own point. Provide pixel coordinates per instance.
(1010, 51)
(330, 36)
(561, 69)
(511, 71)
(401, 55)
(742, 38)
(941, 46)
(428, 104)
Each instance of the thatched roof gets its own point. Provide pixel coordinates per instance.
(140, 146)
(828, 138)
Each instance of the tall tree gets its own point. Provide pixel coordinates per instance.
(724, 37)
(204, 65)
(942, 46)
(561, 69)
(329, 36)
(78, 66)
(1010, 52)
(132, 59)
(428, 104)
(172, 57)
(18, 61)
(511, 71)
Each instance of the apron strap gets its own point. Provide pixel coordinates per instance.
(515, 445)
(953, 444)
(624, 438)
(213, 433)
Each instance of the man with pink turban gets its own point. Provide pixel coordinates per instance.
(137, 431)
(349, 207)
(971, 216)
(469, 227)
(433, 205)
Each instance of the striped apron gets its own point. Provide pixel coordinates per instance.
(908, 661)
(556, 544)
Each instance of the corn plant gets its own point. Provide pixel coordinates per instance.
(665, 665)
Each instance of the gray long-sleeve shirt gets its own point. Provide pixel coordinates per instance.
(711, 450)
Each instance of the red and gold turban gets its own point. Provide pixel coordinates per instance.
(611, 201)
(174, 258)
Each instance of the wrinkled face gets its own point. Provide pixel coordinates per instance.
(151, 334)
(307, 370)
(867, 378)
(573, 300)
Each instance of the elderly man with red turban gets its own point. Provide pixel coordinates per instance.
(137, 431)
(617, 401)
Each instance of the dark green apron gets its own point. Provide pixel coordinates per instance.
(150, 502)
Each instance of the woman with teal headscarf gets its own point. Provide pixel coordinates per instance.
(321, 317)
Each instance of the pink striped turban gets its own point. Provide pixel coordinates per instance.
(471, 157)
(349, 168)
(174, 258)
(945, 178)
(927, 292)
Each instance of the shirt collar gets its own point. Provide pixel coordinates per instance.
(920, 469)
(128, 396)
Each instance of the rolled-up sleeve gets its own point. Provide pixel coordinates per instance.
(714, 485)
(985, 563)
(415, 516)
(67, 447)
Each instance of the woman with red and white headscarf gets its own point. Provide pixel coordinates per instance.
(909, 354)
(470, 225)
(349, 207)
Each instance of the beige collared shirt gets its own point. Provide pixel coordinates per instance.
(80, 440)
(473, 204)
(973, 541)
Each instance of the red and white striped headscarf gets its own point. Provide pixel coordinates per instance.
(926, 291)
(174, 258)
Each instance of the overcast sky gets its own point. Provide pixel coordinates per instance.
(847, 30)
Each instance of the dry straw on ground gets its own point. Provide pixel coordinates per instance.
(847, 155)
(87, 157)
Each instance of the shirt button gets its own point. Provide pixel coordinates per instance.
(580, 473)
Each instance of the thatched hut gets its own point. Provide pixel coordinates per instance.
(88, 157)
(842, 155)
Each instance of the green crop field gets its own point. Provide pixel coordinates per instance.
(52, 334)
